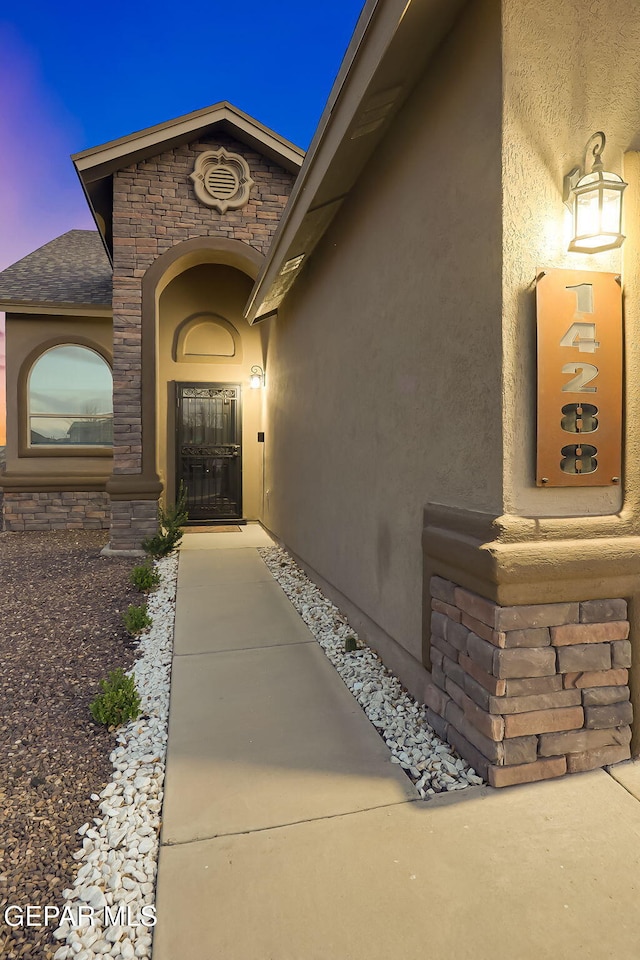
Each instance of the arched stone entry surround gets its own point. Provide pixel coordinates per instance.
(135, 484)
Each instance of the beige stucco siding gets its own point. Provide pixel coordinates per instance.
(570, 69)
(384, 364)
(27, 337)
(210, 289)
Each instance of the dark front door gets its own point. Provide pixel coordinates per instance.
(209, 449)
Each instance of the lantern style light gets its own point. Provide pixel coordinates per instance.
(595, 201)
(256, 380)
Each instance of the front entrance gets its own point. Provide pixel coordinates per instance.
(209, 450)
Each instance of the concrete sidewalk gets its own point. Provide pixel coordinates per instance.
(288, 834)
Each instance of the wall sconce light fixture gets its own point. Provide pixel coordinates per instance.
(256, 380)
(595, 201)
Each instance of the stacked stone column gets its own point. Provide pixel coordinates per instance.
(154, 209)
(527, 693)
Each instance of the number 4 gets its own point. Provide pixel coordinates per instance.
(582, 336)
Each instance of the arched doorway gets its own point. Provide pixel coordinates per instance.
(206, 419)
(208, 416)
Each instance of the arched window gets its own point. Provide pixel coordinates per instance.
(70, 398)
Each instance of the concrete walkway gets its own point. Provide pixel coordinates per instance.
(289, 835)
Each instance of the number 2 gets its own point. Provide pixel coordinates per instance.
(588, 372)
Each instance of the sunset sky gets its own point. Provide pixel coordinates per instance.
(74, 75)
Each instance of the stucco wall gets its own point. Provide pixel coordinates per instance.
(220, 290)
(26, 337)
(384, 367)
(570, 69)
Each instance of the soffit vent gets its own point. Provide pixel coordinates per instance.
(292, 264)
(221, 180)
(374, 112)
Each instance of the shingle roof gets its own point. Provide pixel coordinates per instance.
(72, 269)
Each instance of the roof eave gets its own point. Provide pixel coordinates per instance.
(391, 46)
(97, 165)
(49, 308)
(109, 157)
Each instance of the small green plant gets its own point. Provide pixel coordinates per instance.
(169, 535)
(118, 702)
(350, 644)
(136, 619)
(145, 578)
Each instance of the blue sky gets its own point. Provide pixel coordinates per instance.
(74, 75)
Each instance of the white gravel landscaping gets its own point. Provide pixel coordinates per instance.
(115, 883)
(109, 911)
(431, 763)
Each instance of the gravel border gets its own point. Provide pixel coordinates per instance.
(117, 862)
(431, 763)
(61, 632)
(115, 883)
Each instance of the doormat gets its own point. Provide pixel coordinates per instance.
(212, 529)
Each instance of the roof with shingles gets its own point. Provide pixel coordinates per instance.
(72, 269)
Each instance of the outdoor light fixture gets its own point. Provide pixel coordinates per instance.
(595, 201)
(256, 380)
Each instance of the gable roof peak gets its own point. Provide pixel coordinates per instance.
(95, 167)
(107, 158)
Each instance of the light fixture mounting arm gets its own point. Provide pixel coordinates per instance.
(599, 142)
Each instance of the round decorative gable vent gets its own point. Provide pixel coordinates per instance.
(221, 180)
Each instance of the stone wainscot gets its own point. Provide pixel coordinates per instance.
(527, 693)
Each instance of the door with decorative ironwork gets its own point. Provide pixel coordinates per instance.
(209, 451)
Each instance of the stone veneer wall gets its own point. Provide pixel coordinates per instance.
(154, 208)
(526, 693)
(131, 522)
(56, 511)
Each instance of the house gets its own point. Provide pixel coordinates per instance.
(411, 440)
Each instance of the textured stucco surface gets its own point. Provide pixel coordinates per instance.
(384, 366)
(27, 337)
(570, 69)
(221, 290)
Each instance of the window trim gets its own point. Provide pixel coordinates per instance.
(25, 449)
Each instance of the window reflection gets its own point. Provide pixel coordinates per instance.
(71, 398)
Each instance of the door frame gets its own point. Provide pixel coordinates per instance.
(218, 385)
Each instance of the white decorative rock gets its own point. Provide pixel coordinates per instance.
(127, 951)
(402, 722)
(118, 859)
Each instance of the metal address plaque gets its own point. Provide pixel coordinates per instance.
(579, 379)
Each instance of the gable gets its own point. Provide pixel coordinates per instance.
(98, 166)
(156, 203)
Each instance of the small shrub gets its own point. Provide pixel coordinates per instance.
(145, 578)
(169, 535)
(118, 702)
(350, 644)
(136, 619)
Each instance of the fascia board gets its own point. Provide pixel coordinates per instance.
(104, 160)
(56, 309)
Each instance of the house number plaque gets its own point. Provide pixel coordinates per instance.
(579, 379)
